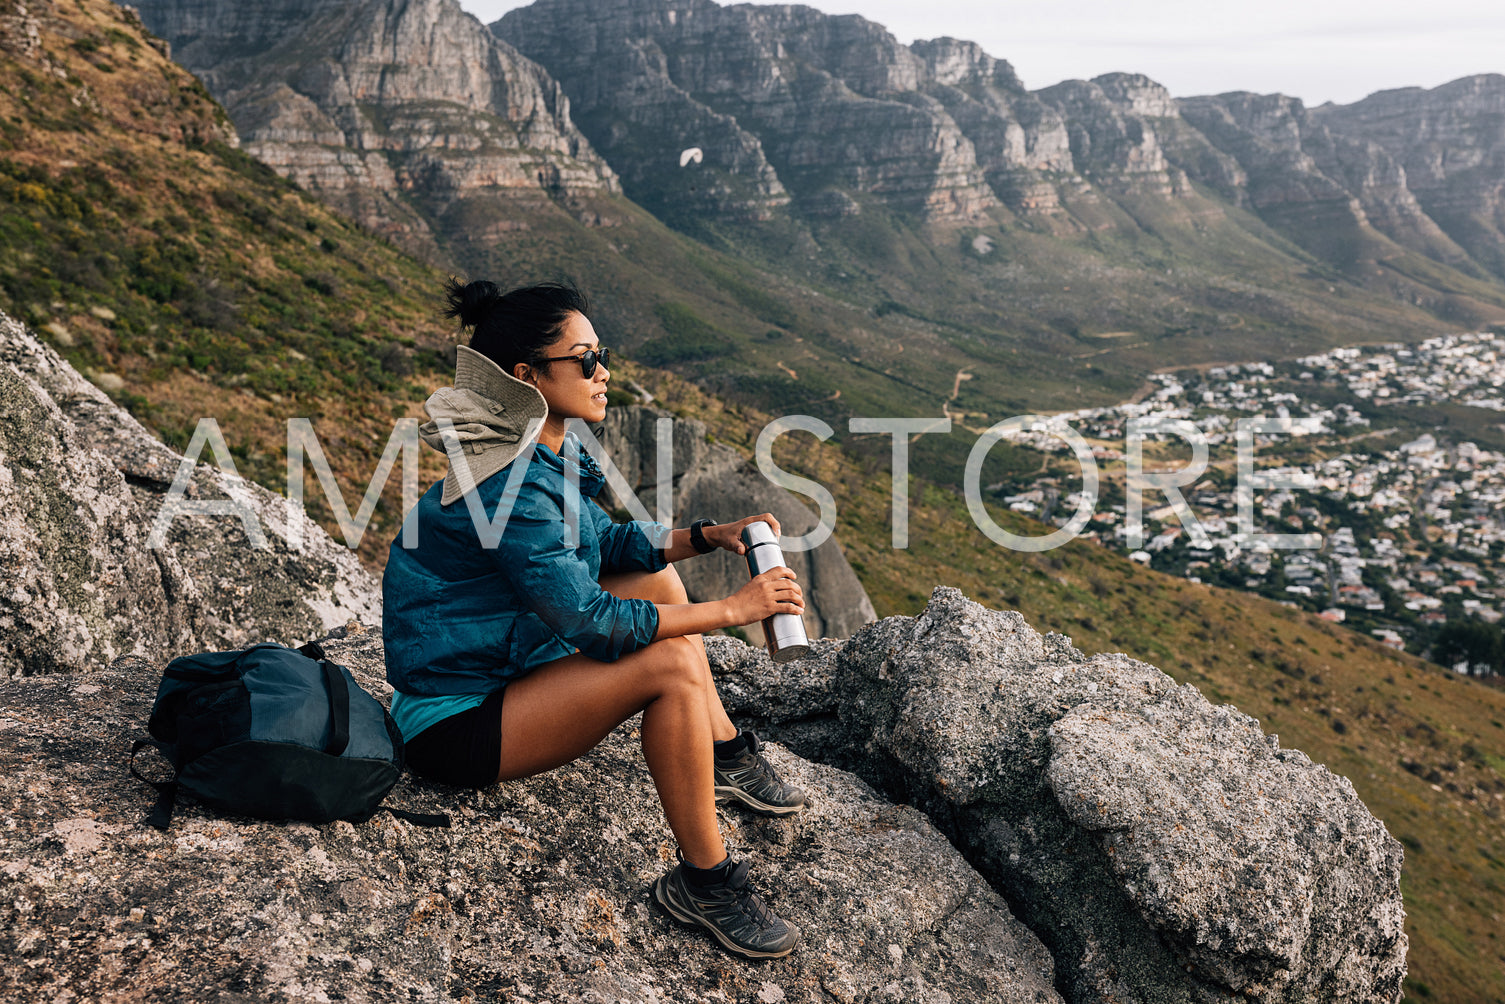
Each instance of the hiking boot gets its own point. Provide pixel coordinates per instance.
(730, 910)
(751, 780)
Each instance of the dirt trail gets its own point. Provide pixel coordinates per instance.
(956, 389)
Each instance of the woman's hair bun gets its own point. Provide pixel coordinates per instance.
(470, 301)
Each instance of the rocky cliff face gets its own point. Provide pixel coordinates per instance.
(831, 109)
(1020, 142)
(423, 125)
(834, 107)
(1111, 122)
(1449, 149)
(373, 105)
(1336, 194)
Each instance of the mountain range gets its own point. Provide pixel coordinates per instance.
(778, 202)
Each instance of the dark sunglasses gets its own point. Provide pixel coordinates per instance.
(587, 359)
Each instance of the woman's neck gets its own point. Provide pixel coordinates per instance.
(552, 433)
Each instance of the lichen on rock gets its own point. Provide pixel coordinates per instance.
(81, 484)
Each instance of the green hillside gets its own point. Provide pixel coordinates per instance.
(187, 279)
(875, 314)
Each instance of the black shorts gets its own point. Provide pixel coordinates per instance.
(464, 750)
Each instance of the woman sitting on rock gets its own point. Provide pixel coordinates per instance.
(521, 586)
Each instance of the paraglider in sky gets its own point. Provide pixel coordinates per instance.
(694, 155)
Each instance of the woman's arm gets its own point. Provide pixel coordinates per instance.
(723, 535)
(547, 575)
(773, 592)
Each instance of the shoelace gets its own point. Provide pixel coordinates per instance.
(750, 902)
(754, 744)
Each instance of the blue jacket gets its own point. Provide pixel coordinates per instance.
(461, 618)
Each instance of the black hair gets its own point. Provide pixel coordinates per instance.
(517, 326)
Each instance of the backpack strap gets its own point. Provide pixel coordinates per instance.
(167, 791)
(339, 708)
(339, 734)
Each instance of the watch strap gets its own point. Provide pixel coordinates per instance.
(697, 536)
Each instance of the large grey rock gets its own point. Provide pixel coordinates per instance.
(79, 586)
(714, 481)
(539, 892)
(1164, 849)
(81, 483)
(1262, 870)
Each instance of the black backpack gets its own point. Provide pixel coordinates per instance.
(274, 733)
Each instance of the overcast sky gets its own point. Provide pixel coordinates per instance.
(1317, 50)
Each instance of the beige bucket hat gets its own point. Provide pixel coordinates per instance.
(481, 423)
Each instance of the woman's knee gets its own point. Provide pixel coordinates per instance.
(668, 587)
(663, 586)
(676, 663)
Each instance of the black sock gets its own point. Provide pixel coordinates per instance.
(728, 748)
(708, 876)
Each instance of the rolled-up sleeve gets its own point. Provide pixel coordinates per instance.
(559, 587)
(633, 547)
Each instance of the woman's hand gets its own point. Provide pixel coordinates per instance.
(772, 592)
(729, 535)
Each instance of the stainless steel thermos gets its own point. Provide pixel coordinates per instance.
(785, 632)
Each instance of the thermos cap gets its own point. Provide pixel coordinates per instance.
(757, 533)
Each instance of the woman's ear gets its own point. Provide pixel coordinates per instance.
(523, 372)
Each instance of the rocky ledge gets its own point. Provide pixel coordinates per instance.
(1120, 839)
(1163, 848)
(539, 892)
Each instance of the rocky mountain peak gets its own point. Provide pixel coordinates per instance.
(1137, 93)
(1105, 119)
(860, 53)
(956, 63)
(780, 98)
(1276, 119)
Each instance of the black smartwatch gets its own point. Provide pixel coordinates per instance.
(697, 536)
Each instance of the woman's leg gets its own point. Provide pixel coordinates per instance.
(751, 780)
(561, 710)
(667, 587)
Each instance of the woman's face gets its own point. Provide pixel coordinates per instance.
(570, 395)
